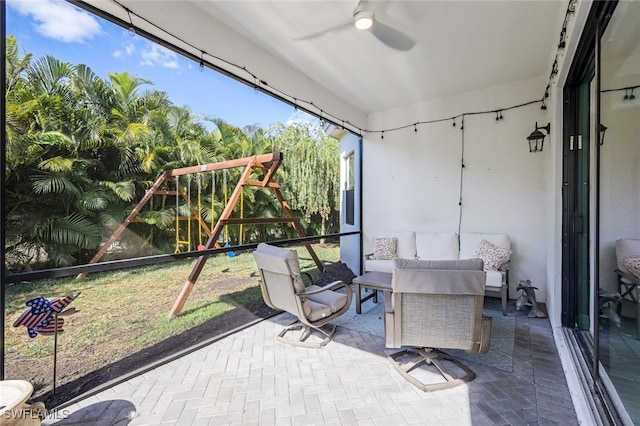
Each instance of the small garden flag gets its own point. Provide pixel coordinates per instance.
(39, 317)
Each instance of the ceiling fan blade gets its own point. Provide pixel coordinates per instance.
(391, 37)
(336, 28)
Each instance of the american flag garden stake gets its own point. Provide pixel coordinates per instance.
(42, 317)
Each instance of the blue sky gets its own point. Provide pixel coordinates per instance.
(72, 35)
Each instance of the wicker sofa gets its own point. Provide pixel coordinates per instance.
(493, 248)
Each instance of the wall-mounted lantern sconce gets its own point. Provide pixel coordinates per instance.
(603, 129)
(536, 138)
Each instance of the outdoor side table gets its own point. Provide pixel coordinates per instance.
(374, 281)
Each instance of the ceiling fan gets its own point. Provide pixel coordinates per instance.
(364, 19)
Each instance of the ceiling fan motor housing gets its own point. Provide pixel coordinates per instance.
(363, 15)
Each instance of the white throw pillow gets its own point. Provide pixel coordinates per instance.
(632, 263)
(384, 248)
(492, 255)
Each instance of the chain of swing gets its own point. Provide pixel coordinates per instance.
(181, 240)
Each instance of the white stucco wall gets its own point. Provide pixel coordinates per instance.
(350, 245)
(411, 180)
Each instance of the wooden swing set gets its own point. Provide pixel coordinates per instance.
(266, 165)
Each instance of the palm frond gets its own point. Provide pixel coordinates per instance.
(124, 190)
(49, 184)
(73, 230)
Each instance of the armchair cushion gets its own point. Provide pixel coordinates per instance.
(316, 311)
(331, 299)
(291, 257)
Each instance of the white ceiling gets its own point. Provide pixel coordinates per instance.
(460, 46)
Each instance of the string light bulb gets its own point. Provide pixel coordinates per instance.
(132, 29)
(201, 61)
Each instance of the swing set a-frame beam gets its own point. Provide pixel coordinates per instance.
(268, 164)
(269, 168)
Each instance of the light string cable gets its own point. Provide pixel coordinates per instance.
(461, 176)
(628, 92)
(562, 44)
(316, 110)
(253, 80)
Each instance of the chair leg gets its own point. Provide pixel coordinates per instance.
(432, 357)
(305, 332)
(637, 290)
(503, 298)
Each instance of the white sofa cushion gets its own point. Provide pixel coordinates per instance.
(406, 243)
(469, 242)
(372, 265)
(494, 279)
(437, 245)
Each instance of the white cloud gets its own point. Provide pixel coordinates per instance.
(58, 20)
(301, 117)
(129, 49)
(161, 56)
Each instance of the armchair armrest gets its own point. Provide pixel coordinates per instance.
(336, 285)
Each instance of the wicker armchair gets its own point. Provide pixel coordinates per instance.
(283, 288)
(436, 305)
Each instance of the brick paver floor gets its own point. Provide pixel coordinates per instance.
(248, 378)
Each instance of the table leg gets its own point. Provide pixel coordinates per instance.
(358, 301)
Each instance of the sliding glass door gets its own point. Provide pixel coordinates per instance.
(601, 203)
(619, 161)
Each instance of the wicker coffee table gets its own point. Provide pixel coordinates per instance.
(374, 281)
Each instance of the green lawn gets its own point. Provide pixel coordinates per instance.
(122, 312)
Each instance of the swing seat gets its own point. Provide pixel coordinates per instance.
(230, 253)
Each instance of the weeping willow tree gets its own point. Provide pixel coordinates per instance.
(311, 170)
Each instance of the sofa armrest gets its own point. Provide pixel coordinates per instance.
(632, 279)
